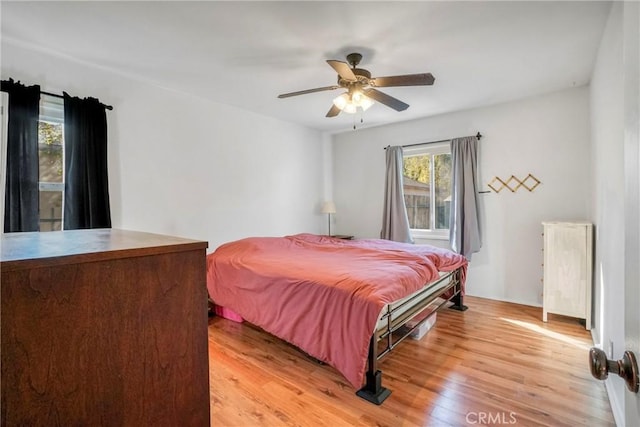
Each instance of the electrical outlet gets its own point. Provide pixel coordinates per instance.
(610, 350)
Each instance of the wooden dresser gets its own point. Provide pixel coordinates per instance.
(103, 328)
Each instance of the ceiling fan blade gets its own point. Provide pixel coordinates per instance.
(302, 92)
(387, 100)
(333, 111)
(424, 79)
(343, 70)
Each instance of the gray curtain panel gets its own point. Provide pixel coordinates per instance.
(464, 224)
(395, 224)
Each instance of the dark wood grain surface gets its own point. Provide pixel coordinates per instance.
(115, 336)
(25, 250)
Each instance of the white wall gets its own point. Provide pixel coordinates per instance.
(547, 136)
(184, 166)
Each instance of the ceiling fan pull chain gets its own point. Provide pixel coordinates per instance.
(354, 119)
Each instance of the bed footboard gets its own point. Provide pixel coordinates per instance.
(397, 331)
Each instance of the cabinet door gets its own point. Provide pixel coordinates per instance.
(565, 270)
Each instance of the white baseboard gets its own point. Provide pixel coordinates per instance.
(616, 407)
(512, 301)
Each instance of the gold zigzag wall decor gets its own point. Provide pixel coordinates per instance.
(513, 183)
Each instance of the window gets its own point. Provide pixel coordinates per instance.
(51, 158)
(427, 189)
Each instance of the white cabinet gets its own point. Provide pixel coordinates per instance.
(568, 248)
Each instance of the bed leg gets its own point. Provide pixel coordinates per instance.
(458, 300)
(373, 390)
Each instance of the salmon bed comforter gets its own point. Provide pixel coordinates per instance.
(322, 294)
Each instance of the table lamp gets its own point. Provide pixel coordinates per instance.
(329, 208)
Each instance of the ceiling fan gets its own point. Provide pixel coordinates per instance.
(361, 87)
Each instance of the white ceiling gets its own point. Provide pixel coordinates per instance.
(246, 53)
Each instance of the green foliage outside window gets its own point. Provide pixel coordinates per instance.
(50, 144)
(418, 168)
(418, 197)
(50, 153)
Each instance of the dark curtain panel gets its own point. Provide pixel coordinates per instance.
(86, 190)
(22, 202)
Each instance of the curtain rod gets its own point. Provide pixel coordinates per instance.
(108, 107)
(478, 135)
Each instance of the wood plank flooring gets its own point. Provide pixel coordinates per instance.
(494, 364)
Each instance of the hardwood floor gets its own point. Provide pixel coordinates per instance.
(494, 364)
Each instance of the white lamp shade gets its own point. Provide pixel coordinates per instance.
(341, 101)
(328, 208)
(350, 108)
(366, 102)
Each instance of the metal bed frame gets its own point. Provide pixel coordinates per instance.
(429, 300)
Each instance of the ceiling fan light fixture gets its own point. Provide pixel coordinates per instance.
(341, 101)
(357, 96)
(366, 103)
(350, 103)
(350, 108)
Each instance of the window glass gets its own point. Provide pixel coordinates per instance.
(51, 159)
(442, 185)
(427, 189)
(417, 190)
(50, 151)
(50, 210)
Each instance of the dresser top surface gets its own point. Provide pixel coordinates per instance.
(88, 244)
(576, 223)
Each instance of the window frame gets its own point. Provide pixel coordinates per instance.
(432, 149)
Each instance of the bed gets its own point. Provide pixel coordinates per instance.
(347, 303)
